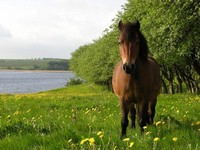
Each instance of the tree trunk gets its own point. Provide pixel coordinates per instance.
(171, 79)
(180, 82)
(195, 62)
(171, 86)
(164, 87)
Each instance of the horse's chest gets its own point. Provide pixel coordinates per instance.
(133, 91)
(129, 93)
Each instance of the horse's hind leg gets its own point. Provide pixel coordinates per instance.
(132, 115)
(124, 120)
(152, 110)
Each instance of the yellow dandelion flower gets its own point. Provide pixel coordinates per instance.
(175, 139)
(126, 140)
(87, 112)
(198, 123)
(158, 123)
(40, 117)
(99, 133)
(83, 141)
(145, 127)
(91, 140)
(70, 140)
(131, 144)
(156, 139)
(147, 133)
(33, 119)
(16, 113)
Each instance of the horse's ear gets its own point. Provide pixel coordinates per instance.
(120, 25)
(137, 25)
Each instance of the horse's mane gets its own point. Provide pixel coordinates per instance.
(143, 47)
(130, 33)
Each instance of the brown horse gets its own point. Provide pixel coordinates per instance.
(136, 78)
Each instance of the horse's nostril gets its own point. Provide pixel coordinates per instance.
(132, 67)
(129, 69)
(124, 67)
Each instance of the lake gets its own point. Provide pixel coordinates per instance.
(13, 82)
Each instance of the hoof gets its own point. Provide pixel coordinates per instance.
(123, 137)
(142, 130)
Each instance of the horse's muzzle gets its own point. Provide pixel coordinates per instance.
(129, 69)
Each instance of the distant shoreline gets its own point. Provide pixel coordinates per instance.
(34, 64)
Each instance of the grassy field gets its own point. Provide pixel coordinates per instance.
(88, 117)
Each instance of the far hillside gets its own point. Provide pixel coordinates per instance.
(34, 64)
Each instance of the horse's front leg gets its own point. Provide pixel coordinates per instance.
(142, 114)
(132, 115)
(124, 119)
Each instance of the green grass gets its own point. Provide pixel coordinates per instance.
(71, 118)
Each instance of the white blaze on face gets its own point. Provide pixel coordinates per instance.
(128, 53)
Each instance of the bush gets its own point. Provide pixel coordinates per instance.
(75, 81)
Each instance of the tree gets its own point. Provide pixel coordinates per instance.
(172, 29)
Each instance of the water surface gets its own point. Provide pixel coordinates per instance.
(32, 81)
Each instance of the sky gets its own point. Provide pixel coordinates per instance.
(52, 28)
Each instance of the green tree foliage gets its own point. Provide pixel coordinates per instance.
(58, 65)
(172, 29)
(94, 62)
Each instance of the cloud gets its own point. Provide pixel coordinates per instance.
(52, 27)
(4, 33)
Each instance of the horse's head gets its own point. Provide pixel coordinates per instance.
(129, 45)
